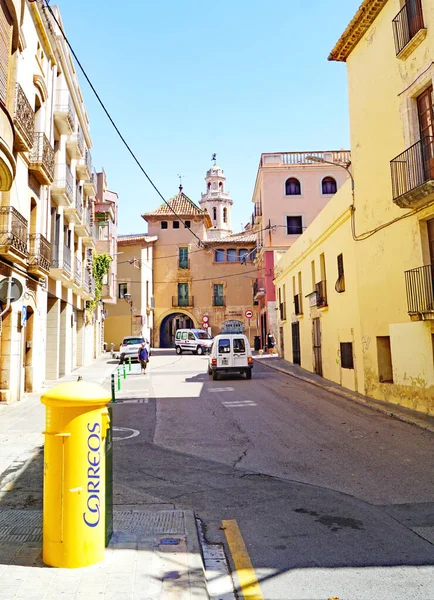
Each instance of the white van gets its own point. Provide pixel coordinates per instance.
(230, 353)
(197, 341)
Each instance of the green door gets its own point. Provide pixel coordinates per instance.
(183, 294)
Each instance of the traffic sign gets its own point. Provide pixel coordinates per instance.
(205, 319)
(23, 315)
(248, 314)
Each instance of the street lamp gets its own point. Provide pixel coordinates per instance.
(127, 298)
(318, 159)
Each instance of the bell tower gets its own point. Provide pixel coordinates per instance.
(217, 201)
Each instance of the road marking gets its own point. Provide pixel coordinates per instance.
(134, 433)
(245, 572)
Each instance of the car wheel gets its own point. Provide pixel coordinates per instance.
(178, 350)
(249, 374)
(199, 350)
(214, 376)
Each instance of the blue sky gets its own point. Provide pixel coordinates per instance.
(185, 79)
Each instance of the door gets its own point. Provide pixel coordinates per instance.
(316, 343)
(182, 294)
(239, 353)
(430, 270)
(281, 343)
(414, 16)
(426, 128)
(296, 354)
(224, 352)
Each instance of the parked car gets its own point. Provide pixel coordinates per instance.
(197, 341)
(230, 353)
(130, 347)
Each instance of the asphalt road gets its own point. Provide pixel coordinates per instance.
(331, 498)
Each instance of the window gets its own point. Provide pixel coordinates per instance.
(347, 355)
(243, 254)
(239, 346)
(294, 225)
(214, 213)
(224, 346)
(122, 289)
(225, 215)
(183, 294)
(187, 224)
(329, 185)
(209, 185)
(384, 359)
(184, 335)
(218, 299)
(175, 224)
(191, 337)
(183, 258)
(163, 224)
(178, 335)
(292, 187)
(220, 255)
(232, 255)
(220, 186)
(340, 284)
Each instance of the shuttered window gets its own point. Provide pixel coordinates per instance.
(347, 355)
(5, 48)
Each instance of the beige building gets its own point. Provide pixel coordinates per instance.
(133, 312)
(200, 268)
(47, 232)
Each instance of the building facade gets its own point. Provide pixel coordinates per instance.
(133, 311)
(376, 332)
(47, 233)
(201, 269)
(291, 189)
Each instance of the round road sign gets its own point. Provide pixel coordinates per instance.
(248, 314)
(205, 319)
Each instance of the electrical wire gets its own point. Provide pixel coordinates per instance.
(197, 280)
(200, 243)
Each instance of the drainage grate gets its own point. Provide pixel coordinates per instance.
(148, 522)
(20, 525)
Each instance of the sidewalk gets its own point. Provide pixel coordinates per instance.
(153, 555)
(392, 410)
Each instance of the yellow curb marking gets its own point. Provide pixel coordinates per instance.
(243, 565)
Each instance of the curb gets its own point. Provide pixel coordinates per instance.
(196, 570)
(390, 411)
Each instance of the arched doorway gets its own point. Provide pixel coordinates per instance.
(170, 324)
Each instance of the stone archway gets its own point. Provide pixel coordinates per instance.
(169, 324)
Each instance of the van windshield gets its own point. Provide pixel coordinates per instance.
(202, 335)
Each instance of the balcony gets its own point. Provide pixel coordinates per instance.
(88, 285)
(13, 235)
(90, 185)
(62, 190)
(321, 294)
(413, 175)
(178, 302)
(419, 285)
(64, 112)
(75, 145)
(258, 289)
(219, 301)
(42, 159)
(74, 212)
(408, 28)
(85, 229)
(298, 304)
(84, 167)
(61, 263)
(39, 255)
(78, 272)
(24, 121)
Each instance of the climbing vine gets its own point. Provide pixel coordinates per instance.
(100, 268)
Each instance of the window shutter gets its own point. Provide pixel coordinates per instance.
(5, 48)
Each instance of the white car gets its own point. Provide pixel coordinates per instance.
(197, 341)
(130, 347)
(230, 353)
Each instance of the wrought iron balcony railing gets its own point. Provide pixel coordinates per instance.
(13, 230)
(64, 261)
(39, 251)
(219, 301)
(407, 23)
(87, 281)
(419, 285)
(321, 293)
(412, 168)
(65, 105)
(178, 301)
(42, 158)
(298, 304)
(78, 269)
(24, 120)
(64, 180)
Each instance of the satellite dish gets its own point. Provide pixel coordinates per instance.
(16, 290)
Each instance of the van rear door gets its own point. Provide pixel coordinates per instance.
(239, 352)
(224, 354)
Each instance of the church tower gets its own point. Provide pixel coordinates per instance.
(217, 201)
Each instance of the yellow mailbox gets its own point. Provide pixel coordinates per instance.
(74, 474)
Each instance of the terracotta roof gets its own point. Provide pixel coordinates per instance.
(133, 238)
(182, 205)
(235, 238)
(362, 20)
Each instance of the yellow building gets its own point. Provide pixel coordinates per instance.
(200, 268)
(372, 330)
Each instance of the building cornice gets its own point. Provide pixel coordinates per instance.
(360, 23)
